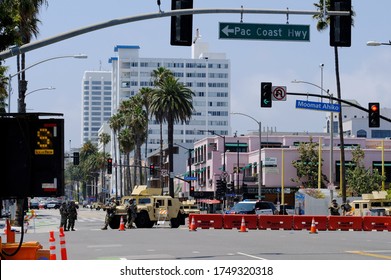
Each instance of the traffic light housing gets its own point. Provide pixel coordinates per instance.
(181, 26)
(220, 188)
(374, 114)
(109, 166)
(151, 169)
(191, 191)
(340, 26)
(266, 95)
(76, 158)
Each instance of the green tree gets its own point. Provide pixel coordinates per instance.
(172, 101)
(116, 123)
(158, 75)
(322, 24)
(126, 141)
(104, 139)
(359, 179)
(307, 165)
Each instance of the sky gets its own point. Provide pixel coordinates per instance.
(364, 71)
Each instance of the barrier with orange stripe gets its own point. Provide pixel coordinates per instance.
(234, 221)
(345, 223)
(206, 221)
(275, 222)
(376, 223)
(304, 222)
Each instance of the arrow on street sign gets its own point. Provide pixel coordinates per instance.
(226, 30)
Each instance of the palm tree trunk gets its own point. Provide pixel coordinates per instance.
(340, 127)
(115, 165)
(161, 157)
(170, 141)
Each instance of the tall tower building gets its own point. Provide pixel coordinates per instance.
(206, 74)
(97, 102)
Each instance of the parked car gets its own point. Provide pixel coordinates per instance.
(53, 204)
(253, 207)
(34, 204)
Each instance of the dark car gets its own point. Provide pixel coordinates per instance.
(53, 204)
(253, 207)
(34, 204)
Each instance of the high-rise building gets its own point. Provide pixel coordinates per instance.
(96, 101)
(206, 74)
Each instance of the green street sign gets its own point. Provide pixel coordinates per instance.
(259, 31)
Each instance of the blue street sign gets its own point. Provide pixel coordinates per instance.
(190, 178)
(320, 106)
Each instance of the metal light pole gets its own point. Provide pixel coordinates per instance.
(375, 43)
(45, 88)
(21, 104)
(188, 161)
(260, 173)
(331, 171)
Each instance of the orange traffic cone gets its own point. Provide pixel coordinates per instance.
(52, 247)
(63, 248)
(193, 226)
(122, 225)
(243, 226)
(313, 227)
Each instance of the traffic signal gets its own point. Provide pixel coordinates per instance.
(109, 166)
(75, 158)
(151, 169)
(374, 114)
(266, 95)
(340, 26)
(181, 26)
(192, 191)
(220, 188)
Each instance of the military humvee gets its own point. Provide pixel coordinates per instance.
(151, 207)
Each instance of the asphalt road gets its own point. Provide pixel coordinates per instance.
(88, 242)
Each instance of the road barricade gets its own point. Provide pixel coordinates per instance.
(376, 223)
(206, 221)
(301, 222)
(275, 222)
(345, 223)
(234, 221)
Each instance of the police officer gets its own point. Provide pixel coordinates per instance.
(334, 208)
(64, 216)
(72, 215)
(110, 210)
(131, 213)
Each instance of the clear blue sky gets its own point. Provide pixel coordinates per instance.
(365, 71)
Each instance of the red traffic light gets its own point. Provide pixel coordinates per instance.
(374, 108)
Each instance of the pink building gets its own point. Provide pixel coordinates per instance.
(278, 152)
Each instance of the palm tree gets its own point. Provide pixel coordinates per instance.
(323, 24)
(115, 123)
(3, 91)
(158, 76)
(87, 165)
(172, 101)
(145, 94)
(126, 141)
(104, 138)
(28, 28)
(136, 120)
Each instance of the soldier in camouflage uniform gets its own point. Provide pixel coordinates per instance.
(131, 213)
(110, 210)
(64, 216)
(72, 215)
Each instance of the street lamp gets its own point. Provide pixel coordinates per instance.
(260, 174)
(331, 170)
(375, 43)
(188, 162)
(21, 105)
(45, 88)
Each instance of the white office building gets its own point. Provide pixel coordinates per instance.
(206, 74)
(96, 101)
